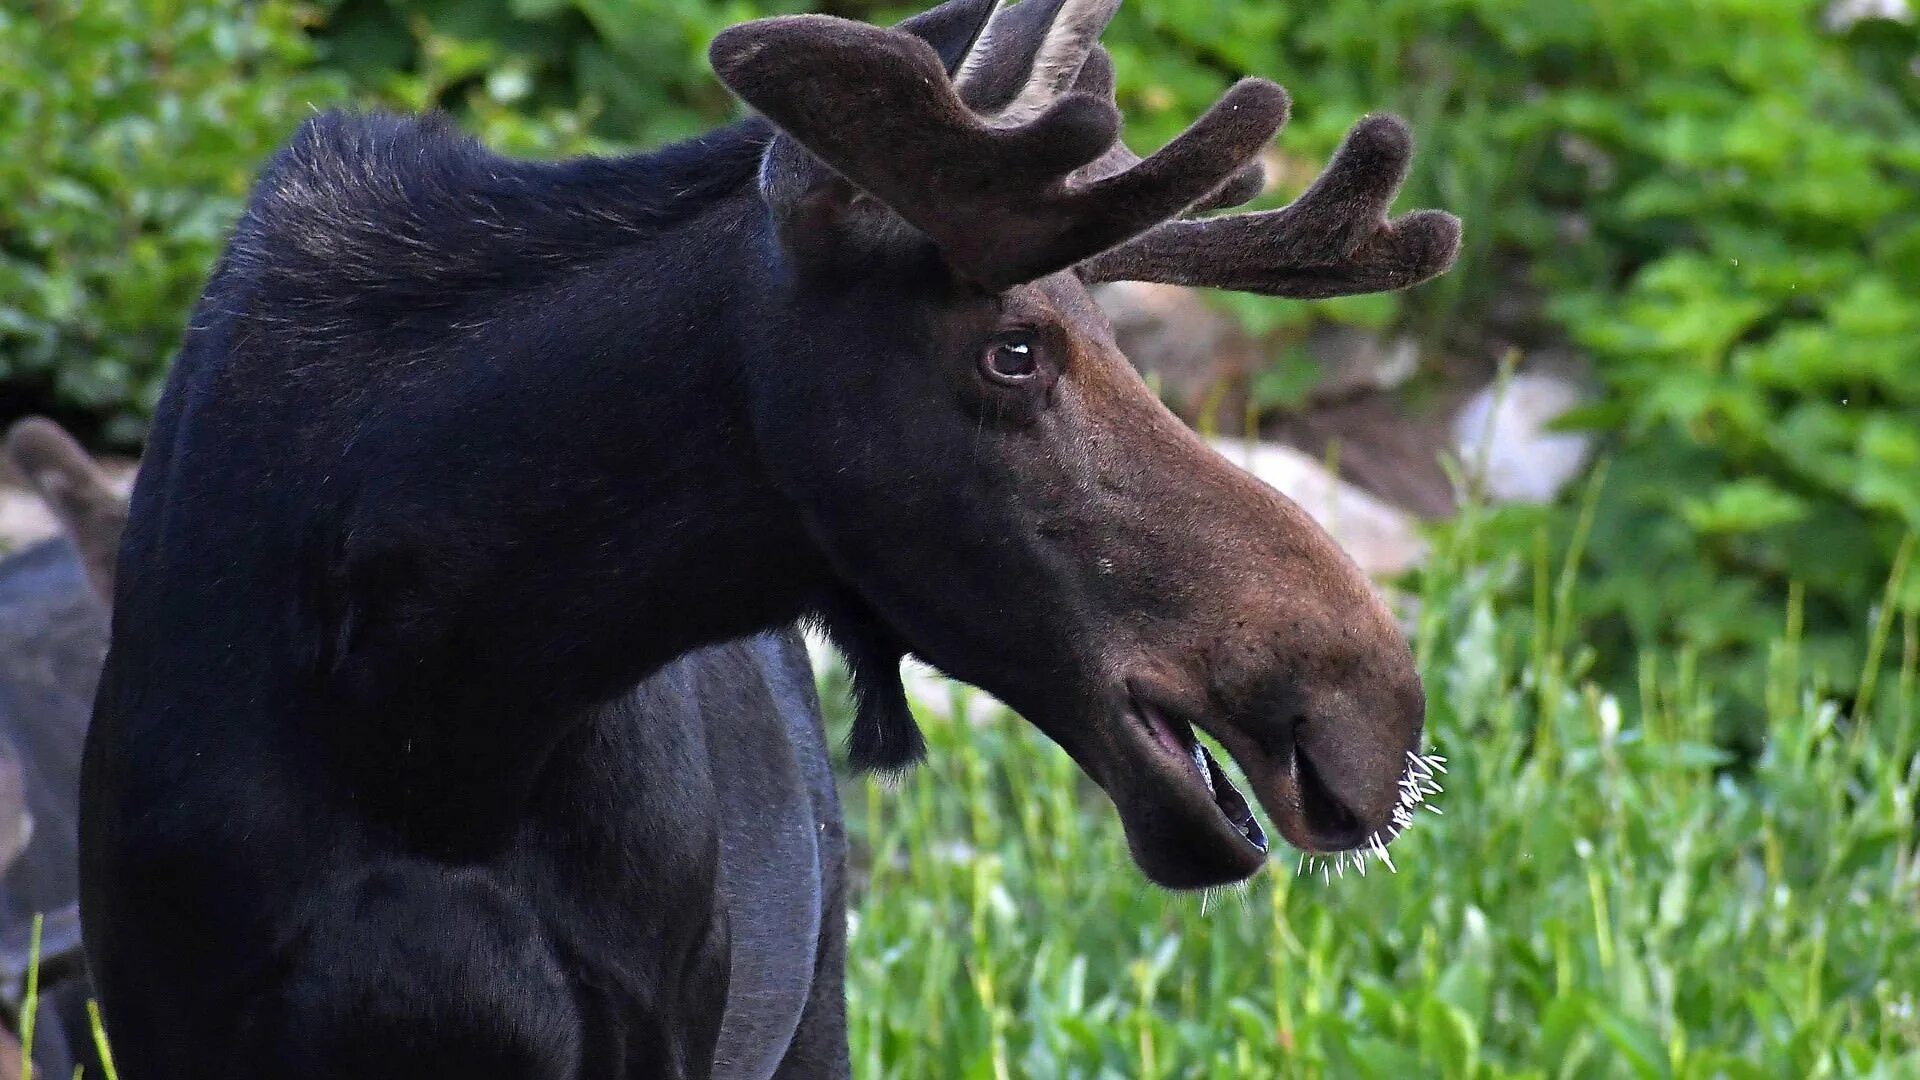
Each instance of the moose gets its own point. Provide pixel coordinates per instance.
(53, 636)
(455, 721)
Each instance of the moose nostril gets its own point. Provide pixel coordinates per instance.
(1278, 741)
(1330, 820)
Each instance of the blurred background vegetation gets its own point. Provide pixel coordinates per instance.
(1716, 202)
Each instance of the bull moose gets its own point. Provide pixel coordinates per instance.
(455, 723)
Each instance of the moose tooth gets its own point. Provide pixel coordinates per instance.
(1200, 762)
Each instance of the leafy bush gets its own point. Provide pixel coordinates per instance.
(132, 129)
(1718, 199)
(1725, 209)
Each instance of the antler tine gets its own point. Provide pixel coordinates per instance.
(1029, 55)
(877, 107)
(952, 28)
(1334, 240)
(1096, 78)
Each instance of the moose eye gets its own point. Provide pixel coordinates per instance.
(1013, 360)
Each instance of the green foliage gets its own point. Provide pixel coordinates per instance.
(1608, 894)
(1750, 203)
(635, 70)
(1718, 199)
(132, 128)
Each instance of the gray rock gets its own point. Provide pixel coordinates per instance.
(1504, 444)
(1354, 361)
(1384, 540)
(1842, 15)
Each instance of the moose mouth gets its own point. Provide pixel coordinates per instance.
(1175, 740)
(1206, 832)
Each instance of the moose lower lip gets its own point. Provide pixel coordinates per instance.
(1177, 739)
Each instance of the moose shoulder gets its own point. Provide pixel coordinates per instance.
(454, 724)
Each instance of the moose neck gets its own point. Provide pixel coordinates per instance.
(611, 512)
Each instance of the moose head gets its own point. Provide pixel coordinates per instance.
(994, 487)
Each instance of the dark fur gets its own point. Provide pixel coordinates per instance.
(885, 738)
(383, 855)
(453, 725)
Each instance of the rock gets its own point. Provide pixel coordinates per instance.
(25, 518)
(1195, 353)
(1389, 444)
(1505, 448)
(1843, 15)
(1355, 361)
(1384, 540)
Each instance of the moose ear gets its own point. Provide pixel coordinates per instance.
(885, 737)
(818, 214)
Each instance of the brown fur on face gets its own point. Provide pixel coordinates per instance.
(1070, 546)
(946, 188)
(1219, 598)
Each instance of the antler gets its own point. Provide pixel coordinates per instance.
(1030, 54)
(952, 28)
(1334, 240)
(1001, 202)
(1096, 78)
(1002, 147)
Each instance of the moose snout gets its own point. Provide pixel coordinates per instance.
(1331, 776)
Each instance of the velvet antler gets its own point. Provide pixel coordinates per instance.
(1096, 78)
(1334, 240)
(997, 192)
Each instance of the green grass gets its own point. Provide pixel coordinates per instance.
(1610, 892)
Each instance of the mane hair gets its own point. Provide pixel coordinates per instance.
(365, 219)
